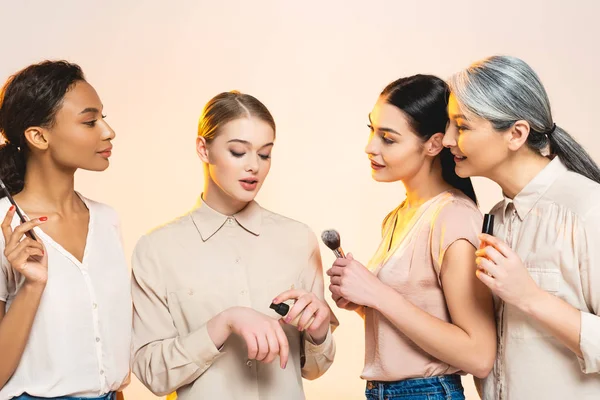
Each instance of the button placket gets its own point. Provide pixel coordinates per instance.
(96, 324)
(511, 218)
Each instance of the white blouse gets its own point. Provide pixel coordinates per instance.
(81, 336)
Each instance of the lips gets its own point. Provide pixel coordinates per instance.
(458, 158)
(106, 152)
(249, 183)
(376, 165)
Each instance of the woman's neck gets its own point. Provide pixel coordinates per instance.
(516, 172)
(218, 200)
(425, 185)
(48, 190)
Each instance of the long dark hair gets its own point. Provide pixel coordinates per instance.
(424, 99)
(29, 98)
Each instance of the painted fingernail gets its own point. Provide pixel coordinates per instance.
(12, 208)
(43, 219)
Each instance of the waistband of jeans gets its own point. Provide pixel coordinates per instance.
(25, 396)
(452, 382)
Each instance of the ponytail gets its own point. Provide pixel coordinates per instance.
(12, 168)
(572, 154)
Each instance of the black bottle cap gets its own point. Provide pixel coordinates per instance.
(281, 308)
(488, 224)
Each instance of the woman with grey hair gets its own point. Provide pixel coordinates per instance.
(542, 262)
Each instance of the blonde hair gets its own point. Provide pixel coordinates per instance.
(228, 106)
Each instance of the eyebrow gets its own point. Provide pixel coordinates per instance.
(387, 130)
(457, 116)
(247, 143)
(90, 110)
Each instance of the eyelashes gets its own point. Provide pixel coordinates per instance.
(92, 124)
(384, 138)
(240, 155)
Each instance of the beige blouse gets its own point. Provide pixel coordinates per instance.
(413, 267)
(554, 226)
(202, 263)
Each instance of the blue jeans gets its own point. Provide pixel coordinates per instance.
(447, 387)
(108, 396)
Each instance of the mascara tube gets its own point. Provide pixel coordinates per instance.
(488, 224)
(488, 228)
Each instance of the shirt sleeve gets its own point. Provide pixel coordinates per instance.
(589, 340)
(319, 357)
(3, 273)
(456, 220)
(162, 359)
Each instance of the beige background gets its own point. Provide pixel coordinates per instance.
(318, 66)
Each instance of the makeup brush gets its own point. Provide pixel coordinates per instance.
(331, 238)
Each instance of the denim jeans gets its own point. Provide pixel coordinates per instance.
(25, 396)
(447, 387)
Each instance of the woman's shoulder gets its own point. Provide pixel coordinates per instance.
(106, 212)
(457, 206)
(4, 206)
(282, 223)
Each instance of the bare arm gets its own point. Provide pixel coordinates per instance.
(469, 342)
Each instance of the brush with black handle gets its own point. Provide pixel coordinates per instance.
(12, 201)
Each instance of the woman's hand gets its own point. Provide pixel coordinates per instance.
(501, 269)
(25, 255)
(309, 305)
(353, 282)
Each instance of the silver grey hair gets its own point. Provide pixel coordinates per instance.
(504, 90)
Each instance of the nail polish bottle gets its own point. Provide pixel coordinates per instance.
(283, 309)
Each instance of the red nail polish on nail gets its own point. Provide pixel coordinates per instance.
(12, 208)
(43, 219)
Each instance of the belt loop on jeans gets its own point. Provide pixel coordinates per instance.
(447, 391)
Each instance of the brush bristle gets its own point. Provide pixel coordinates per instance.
(331, 238)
